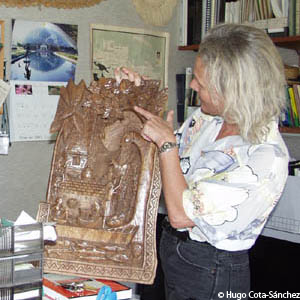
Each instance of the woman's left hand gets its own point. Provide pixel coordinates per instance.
(126, 73)
(156, 129)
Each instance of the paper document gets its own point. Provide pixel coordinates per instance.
(4, 90)
(48, 230)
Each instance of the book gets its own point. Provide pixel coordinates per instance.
(180, 89)
(295, 115)
(190, 19)
(213, 17)
(278, 8)
(183, 22)
(208, 16)
(297, 18)
(203, 19)
(296, 89)
(194, 21)
(198, 22)
(64, 287)
(292, 17)
(287, 120)
(221, 11)
(188, 89)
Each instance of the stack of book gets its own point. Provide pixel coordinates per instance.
(197, 17)
(276, 17)
(64, 287)
(294, 17)
(269, 15)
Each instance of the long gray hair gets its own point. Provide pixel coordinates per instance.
(244, 68)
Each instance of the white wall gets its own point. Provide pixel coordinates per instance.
(24, 172)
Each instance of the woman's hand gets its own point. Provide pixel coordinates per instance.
(156, 129)
(125, 73)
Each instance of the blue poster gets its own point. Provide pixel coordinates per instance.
(43, 51)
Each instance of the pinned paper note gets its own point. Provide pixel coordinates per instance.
(4, 90)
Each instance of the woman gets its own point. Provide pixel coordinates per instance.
(224, 170)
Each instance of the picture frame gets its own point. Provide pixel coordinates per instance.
(144, 51)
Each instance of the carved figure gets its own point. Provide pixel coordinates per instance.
(104, 183)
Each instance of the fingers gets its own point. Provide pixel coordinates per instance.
(125, 73)
(156, 129)
(146, 137)
(170, 117)
(146, 114)
(117, 73)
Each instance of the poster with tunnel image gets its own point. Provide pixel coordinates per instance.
(42, 51)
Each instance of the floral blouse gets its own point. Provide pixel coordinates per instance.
(232, 185)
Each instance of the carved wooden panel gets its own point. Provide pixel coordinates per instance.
(104, 183)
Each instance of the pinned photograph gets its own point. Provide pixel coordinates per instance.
(23, 89)
(54, 90)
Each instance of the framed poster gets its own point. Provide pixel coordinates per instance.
(43, 51)
(144, 51)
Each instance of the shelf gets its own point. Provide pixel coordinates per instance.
(289, 129)
(189, 47)
(289, 42)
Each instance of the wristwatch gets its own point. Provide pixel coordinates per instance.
(167, 146)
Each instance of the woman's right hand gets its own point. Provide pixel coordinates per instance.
(125, 73)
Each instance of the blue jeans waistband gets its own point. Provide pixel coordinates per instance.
(184, 236)
(181, 235)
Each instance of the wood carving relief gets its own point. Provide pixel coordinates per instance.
(104, 183)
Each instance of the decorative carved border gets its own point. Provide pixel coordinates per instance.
(141, 275)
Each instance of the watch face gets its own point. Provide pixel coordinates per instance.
(167, 146)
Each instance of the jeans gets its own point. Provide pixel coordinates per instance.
(198, 271)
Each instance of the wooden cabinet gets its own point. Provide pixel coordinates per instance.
(289, 42)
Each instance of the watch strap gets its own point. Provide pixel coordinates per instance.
(167, 146)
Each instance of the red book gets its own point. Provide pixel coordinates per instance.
(65, 287)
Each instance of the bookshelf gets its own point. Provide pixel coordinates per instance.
(288, 42)
(294, 130)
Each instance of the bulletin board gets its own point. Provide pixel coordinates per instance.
(43, 59)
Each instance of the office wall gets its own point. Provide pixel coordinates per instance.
(24, 172)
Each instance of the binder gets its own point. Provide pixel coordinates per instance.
(180, 89)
